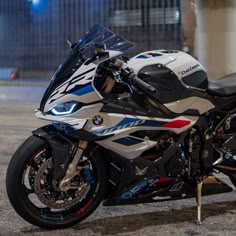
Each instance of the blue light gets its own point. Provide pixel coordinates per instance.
(38, 5)
(63, 108)
(35, 2)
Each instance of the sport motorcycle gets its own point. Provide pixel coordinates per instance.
(123, 131)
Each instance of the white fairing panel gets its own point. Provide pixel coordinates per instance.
(128, 151)
(83, 76)
(181, 63)
(118, 129)
(145, 59)
(196, 103)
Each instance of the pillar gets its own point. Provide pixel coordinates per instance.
(216, 36)
(188, 26)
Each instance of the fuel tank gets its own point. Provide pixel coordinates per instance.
(180, 80)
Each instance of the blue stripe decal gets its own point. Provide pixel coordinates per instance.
(127, 121)
(131, 122)
(84, 90)
(156, 54)
(149, 55)
(50, 218)
(142, 57)
(128, 141)
(154, 123)
(136, 189)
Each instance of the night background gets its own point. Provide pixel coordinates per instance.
(33, 32)
(33, 44)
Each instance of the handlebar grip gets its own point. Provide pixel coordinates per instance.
(142, 84)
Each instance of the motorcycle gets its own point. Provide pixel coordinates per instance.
(123, 131)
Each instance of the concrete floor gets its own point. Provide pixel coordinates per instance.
(17, 119)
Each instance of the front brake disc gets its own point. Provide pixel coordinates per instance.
(43, 186)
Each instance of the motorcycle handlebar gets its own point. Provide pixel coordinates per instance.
(142, 84)
(134, 80)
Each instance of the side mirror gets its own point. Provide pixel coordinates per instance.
(70, 44)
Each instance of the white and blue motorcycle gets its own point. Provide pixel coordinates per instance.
(124, 131)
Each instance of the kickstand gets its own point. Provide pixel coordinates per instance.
(199, 202)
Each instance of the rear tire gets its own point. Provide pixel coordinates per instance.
(18, 192)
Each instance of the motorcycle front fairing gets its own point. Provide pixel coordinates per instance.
(71, 89)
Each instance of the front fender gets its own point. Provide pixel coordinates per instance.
(60, 139)
(60, 146)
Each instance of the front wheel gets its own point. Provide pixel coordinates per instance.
(234, 182)
(33, 192)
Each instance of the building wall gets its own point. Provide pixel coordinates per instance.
(216, 36)
(34, 35)
(189, 25)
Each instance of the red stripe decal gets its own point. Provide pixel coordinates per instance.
(164, 180)
(176, 124)
(37, 153)
(85, 207)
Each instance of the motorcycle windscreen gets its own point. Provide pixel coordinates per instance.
(101, 35)
(83, 50)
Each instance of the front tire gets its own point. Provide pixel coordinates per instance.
(22, 173)
(233, 179)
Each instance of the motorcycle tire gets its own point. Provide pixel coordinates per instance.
(233, 181)
(32, 155)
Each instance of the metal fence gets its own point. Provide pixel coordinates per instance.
(33, 32)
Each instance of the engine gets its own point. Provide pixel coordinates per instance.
(168, 156)
(174, 159)
(225, 140)
(176, 164)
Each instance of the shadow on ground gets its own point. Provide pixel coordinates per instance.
(130, 223)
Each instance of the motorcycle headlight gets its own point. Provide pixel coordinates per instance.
(64, 108)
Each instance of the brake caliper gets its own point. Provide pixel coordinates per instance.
(88, 176)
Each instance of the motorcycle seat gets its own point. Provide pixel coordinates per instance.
(223, 87)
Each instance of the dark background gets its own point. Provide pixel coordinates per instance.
(32, 33)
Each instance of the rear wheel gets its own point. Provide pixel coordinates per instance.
(37, 199)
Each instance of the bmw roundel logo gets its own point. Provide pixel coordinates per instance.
(97, 120)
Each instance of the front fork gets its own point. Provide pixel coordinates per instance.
(73, 168)
(66, 154)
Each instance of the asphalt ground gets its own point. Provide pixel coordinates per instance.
(17, 120)
(24, 82)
